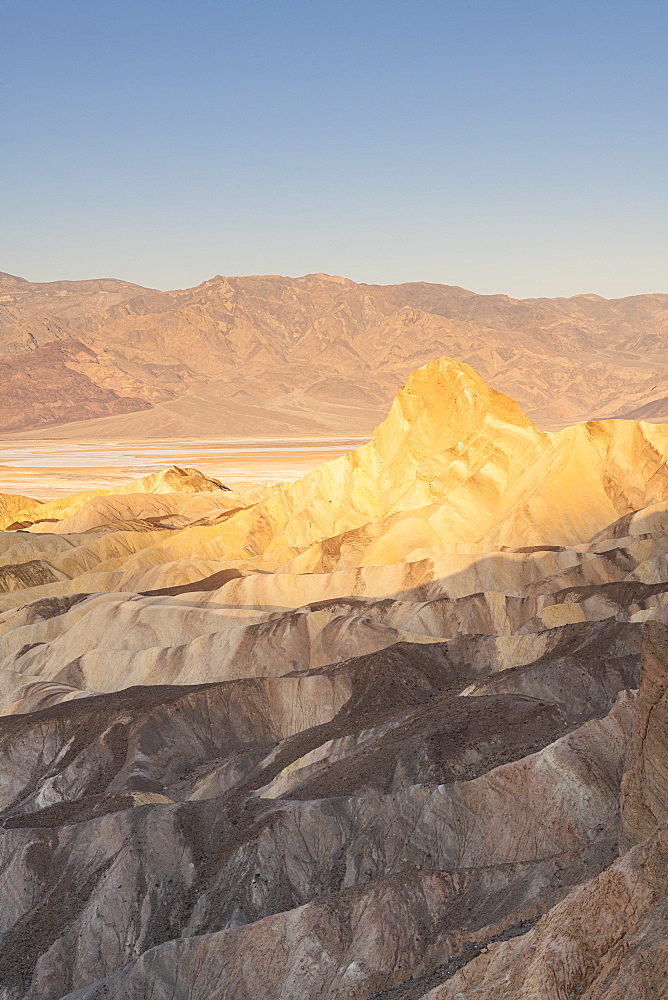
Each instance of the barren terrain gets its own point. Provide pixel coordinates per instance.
(56, 468)
(396, 730)
(319, 355)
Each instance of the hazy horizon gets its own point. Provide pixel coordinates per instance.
(514, 149)
(295, 277)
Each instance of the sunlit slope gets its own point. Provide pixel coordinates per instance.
(24, 512)
(375, 732)
(455, 467)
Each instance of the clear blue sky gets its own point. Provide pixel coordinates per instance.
(514, 146)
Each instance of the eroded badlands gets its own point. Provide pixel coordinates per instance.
(396, 730)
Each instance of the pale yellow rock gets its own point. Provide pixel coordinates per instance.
(457, 494)
(11, 503)
(172, 480)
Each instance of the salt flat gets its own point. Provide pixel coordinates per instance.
(397, 728)
(50, 469)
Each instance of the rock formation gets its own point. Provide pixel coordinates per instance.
(272, 356)
(394, 731)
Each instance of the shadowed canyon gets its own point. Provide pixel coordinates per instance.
(396, 730)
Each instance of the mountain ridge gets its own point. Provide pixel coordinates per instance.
(311, 355)
(397, 729)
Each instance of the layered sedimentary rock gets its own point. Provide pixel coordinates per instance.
(644, 799)
(275, 356)
(608, 939)
(98, 507)
(396, 730)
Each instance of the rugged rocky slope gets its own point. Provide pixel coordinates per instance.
(397, 730)
(288, 356)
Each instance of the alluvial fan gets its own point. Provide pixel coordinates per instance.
(397, 730)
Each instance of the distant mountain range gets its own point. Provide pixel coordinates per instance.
(276, 356)
(395, 731)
